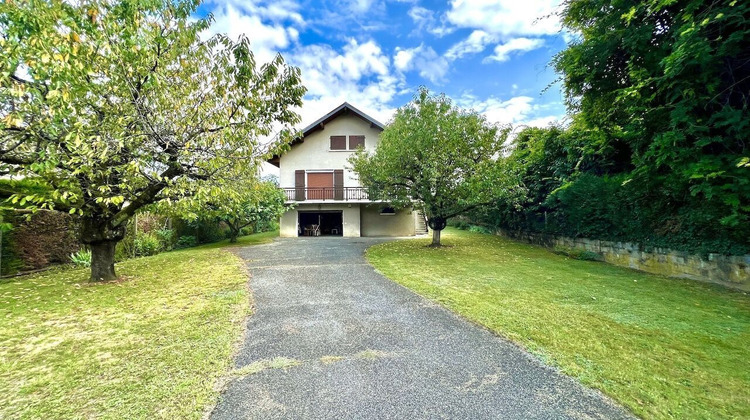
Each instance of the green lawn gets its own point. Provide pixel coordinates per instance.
(151, 346)
(665, 348)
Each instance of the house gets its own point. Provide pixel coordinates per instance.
(328, 197)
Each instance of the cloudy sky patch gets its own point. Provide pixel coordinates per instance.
(489, 55)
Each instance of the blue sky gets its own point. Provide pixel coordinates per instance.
(489, 55)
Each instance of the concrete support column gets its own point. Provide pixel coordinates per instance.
(288, 224)
(351, 220)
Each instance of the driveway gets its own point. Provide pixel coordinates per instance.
(365, 347)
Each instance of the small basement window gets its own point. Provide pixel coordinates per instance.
(387, 211)
(338, 142)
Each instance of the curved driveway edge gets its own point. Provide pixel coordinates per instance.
(331, 338)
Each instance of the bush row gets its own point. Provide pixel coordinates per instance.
(573, 191)
(46, 238)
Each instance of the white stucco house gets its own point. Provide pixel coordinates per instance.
(328, 198)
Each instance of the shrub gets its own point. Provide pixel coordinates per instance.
(459, 222)
(479, 229)
(146, 244)
(185, 241)
(266, 226)
(167, 237)
(204, 231)
(207, 232)
(37, 240)
(81, 258)
(577, 188)
(247, 230)
(11, 263)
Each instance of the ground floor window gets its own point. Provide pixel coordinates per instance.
(321, 223)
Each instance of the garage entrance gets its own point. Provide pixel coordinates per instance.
(321, 223)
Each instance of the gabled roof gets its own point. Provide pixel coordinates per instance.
(343, 109)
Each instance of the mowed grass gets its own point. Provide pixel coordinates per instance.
(665, 348)
(254, 239)
(150, 346)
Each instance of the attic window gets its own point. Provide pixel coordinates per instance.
(356, 141)
(338, 142)
(387, 211)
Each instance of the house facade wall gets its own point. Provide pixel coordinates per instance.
(375, 224)
(314, 153)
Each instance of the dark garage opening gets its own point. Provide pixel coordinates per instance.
(329, 223)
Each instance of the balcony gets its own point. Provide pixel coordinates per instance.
(326, 194)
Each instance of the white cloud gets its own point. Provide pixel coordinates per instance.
(356, 61)
(274, 10)
(506, 17)
(515, 45)
(518, 110)
(423, 59)
(422, 17)
(360, 74)
(545, 121)
(361, 6)
(476, 42)
(266, 39)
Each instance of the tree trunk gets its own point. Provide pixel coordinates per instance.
(234, 232)
(103, 260)
(436, 237)
(98, 233)
(437, 224)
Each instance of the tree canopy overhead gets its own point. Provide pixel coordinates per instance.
(117, 105)
(436, 157)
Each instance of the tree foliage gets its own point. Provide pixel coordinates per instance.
(668, 83)
(436, 157)
(248, 204)
(117, 105)
(574, 192)
(658, 149)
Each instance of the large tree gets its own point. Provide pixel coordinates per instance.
(668, 83)
(436, 157)
(120, 104)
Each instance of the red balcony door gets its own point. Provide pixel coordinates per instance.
(320, 185)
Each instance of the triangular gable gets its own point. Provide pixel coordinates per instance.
(344, 109)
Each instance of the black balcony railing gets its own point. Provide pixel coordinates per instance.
(325, 193)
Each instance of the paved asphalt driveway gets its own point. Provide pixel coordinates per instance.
(369, 348)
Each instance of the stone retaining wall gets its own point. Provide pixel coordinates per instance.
(730, 271)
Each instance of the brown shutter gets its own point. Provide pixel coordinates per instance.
(299, 185)
(338, 184)
(338, 142)
(320, 185)
(356, 141)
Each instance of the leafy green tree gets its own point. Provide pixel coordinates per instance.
(248, 205)
(668, 83)
(436, 157)
(118, 105)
